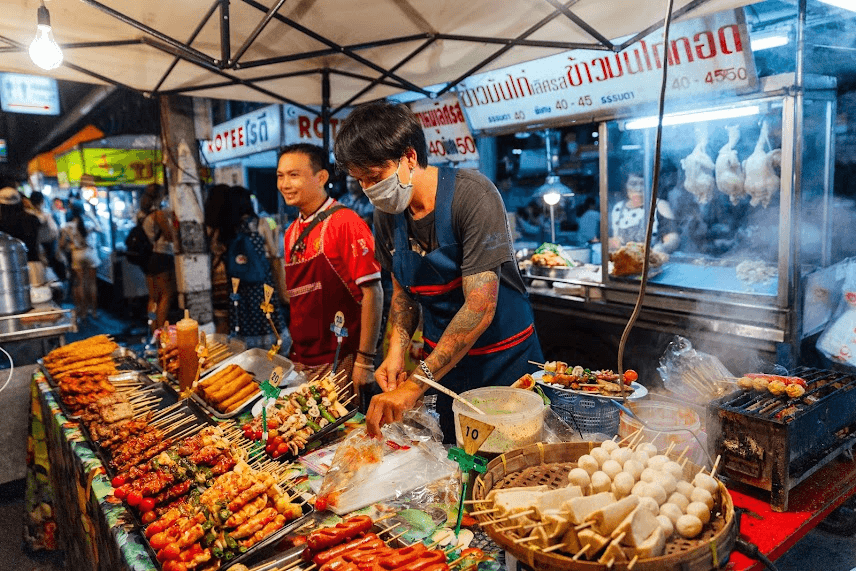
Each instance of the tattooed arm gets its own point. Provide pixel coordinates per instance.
(475, 316)
(403, 320)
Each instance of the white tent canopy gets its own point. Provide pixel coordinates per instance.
(282, 50)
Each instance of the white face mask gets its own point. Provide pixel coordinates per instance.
(391, 195)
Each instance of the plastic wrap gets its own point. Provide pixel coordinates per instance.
(365, 470)
(838, 340)
(694, 376)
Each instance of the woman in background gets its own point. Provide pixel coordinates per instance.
(160, 271)
(79, 238)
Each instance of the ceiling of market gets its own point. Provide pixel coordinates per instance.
(279, 50)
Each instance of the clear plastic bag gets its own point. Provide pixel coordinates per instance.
(365, 470)
(694, 376)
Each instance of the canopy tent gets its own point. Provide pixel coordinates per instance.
(318, 52)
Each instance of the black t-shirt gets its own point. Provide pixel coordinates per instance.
(479, 223)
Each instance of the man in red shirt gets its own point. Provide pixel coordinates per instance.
(330, 267)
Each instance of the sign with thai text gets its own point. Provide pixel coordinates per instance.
(245, 135)
(446, 132)
(705, 56)
(31, 94)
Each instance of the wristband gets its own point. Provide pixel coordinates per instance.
(363, 366)
(427, 371)
(366, 354)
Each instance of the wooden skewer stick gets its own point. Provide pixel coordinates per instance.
(555, 547)
(394, 537)
(485, 511)
(681, 455)
(448, 392)
(581, 552)
(525, 539)
(506, 518)
(537, 364)
(632, 563)
(584, 525)
(167, 410)
(669, 449)
(521, 525)
(630, 436)
(476, 501)
(166, 419)
(389, 529)
(715, 466)
(386, 517)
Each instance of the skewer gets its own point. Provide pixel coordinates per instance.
(166, 410)
(630, 436)
(684, 463)
(506, 518)
(584, 525)
(555, 547)
(515, 526)
(581, 552)
(684, 451)
(635, 442)
(715, 466)
(166, 419)
(537, 364)
(476, 501)
(394, 537)
(389, 529)
(487, 511)
(632, 563)
(448, 392)
(386, 517)
(188, 432)
(669, 449)
(525, 539)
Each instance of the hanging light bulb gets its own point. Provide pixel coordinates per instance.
(44, 51)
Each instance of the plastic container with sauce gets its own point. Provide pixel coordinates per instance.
(187, 337)
(516, 415)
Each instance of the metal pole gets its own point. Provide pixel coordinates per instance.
(325, 111)
(552, 223)
(252, 37)
(796, 196)
(225, 37)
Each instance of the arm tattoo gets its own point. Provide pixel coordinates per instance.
(475, 316)
(403, 315)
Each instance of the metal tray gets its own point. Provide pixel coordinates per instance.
(199, 401)
(256, 362)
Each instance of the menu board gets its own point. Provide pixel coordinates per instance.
(446, 132)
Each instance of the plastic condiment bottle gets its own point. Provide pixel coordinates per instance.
(187, 336)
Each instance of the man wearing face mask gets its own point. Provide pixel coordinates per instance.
(329, 268)
(443, 234)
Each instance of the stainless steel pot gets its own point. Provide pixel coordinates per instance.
(14, 276)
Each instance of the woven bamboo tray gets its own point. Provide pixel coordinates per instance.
(549, 464)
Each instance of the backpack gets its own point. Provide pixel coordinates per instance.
(246, 259)
(138, 247)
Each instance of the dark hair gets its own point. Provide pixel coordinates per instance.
(78, 211)
(376, 133)
(37, 198)
(237, 205)
(151, 198)
(215, 205)
(317, 160)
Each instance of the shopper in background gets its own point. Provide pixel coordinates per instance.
(249, 251)
(160, 272)
(59, 212)
(589, 221)
(217, 230)
(629, 218)
(79, 239)
(330, 267)
(48, 235)
(357, 201)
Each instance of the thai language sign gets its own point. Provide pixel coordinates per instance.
(446, 132)
(705, 55)
(245, 135)
(302, 126)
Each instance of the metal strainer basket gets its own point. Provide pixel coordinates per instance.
(588, 414)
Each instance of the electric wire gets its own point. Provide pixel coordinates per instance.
(11, 369)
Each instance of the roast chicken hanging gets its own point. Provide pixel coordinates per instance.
(729, 172)
(698, 170)
(762, 182)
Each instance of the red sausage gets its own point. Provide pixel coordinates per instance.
(327, 537)
(335, 552)
(403, 556)
(425, 560)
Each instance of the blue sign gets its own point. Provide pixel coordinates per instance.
(31, 94)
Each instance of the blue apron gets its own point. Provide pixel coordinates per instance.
(500, 355)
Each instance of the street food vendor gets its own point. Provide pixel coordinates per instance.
(444, 236)
(330, 267)
(628, 218)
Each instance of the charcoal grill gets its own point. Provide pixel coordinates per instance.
(774, 443)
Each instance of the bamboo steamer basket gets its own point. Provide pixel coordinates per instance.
(549, 464)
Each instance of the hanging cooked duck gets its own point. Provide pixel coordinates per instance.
(730, 177)
(698, 170)
(762, 182)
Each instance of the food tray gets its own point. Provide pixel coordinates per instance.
(639, 391)
(550, 464)
(210, 410)
(233, 347)
(256, 362)
(127, 360)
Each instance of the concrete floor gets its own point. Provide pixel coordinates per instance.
(818, 551)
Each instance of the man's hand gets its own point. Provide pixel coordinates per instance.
(390, 406)
(388, 374)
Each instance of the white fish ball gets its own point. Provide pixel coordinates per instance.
(634, 468)
(650, 504)
(706, 482)
(609, 445)
(699, 510)
(623, 484)
(649, 475)
(667, 481)
(638, 488)
(621, 455)
(579, 477)
(703, 496)
(642, 457)
(688, 526)
(648, 447)
(685, 488)
(679, 500)
(588, 463)
(657, 462)
(612, 468)
(656, 491)
(600, 455)
(600, 482)
(674, 469)
(671, 511)
(667, 525)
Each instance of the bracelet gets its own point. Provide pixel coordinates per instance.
(366, 354)
(363, 366)
(427, 371)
